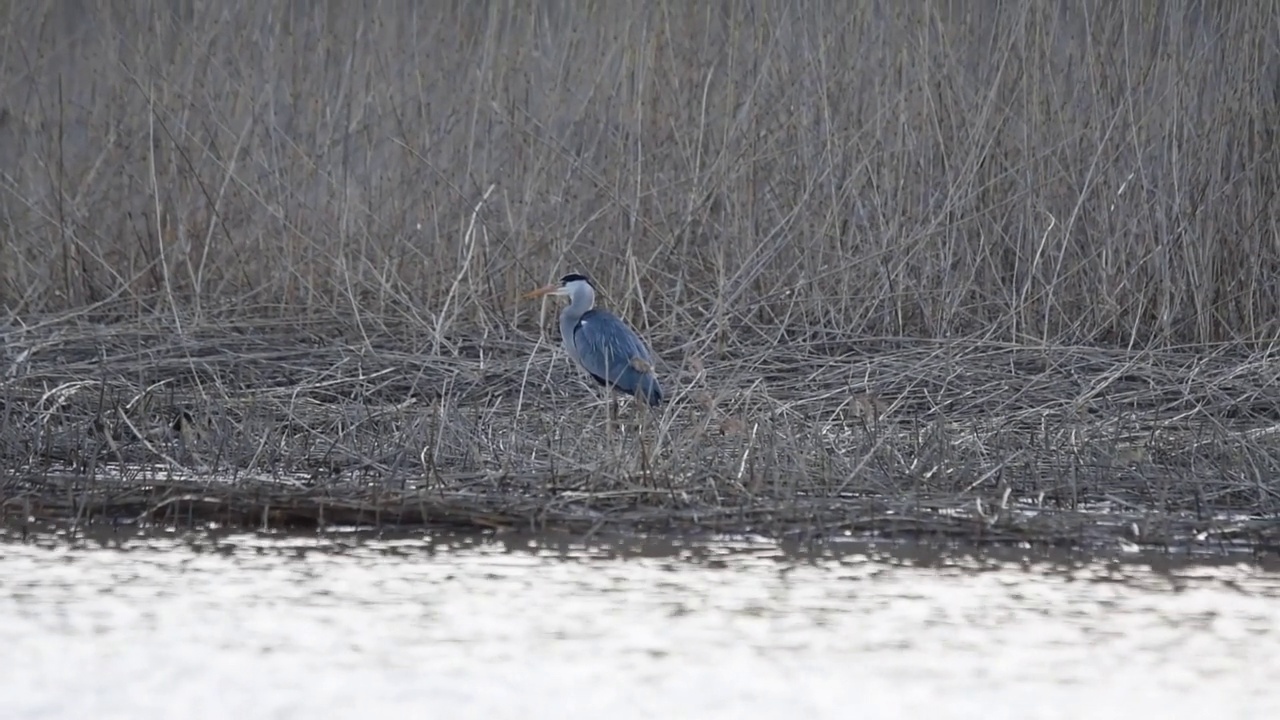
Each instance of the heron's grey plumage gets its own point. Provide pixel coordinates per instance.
(605, 346)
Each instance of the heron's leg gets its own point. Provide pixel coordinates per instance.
(611, 412)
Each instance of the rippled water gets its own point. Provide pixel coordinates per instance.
(275, 627)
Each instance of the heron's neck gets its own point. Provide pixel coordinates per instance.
(581, 302)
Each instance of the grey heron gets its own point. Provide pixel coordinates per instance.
(601, 343)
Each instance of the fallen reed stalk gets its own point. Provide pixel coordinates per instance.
(954, 438)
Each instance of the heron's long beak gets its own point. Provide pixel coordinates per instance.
(551, 289)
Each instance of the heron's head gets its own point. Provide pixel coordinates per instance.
(572, 286)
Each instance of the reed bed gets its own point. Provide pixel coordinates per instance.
(918, 269)
(252, 426)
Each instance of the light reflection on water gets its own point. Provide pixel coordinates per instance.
(260, 627)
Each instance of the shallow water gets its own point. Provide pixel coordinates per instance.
(273, 627)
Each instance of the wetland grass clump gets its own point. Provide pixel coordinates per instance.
(1004, 273)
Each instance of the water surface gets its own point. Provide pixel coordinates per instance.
(277, 627)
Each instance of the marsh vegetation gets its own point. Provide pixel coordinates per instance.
(1006, 272)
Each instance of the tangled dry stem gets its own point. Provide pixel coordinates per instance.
(1000, 272)
(255, 426)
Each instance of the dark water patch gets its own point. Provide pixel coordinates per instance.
(696, 549)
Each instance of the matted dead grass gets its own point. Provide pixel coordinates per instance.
(991, 270)
(268, 427)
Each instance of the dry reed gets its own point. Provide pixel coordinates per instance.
(1003, 272)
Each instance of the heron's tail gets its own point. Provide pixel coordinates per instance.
(650, 390)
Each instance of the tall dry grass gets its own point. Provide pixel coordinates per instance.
(760, 187)
(749, 172)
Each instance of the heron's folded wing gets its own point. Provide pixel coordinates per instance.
(611, 351)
